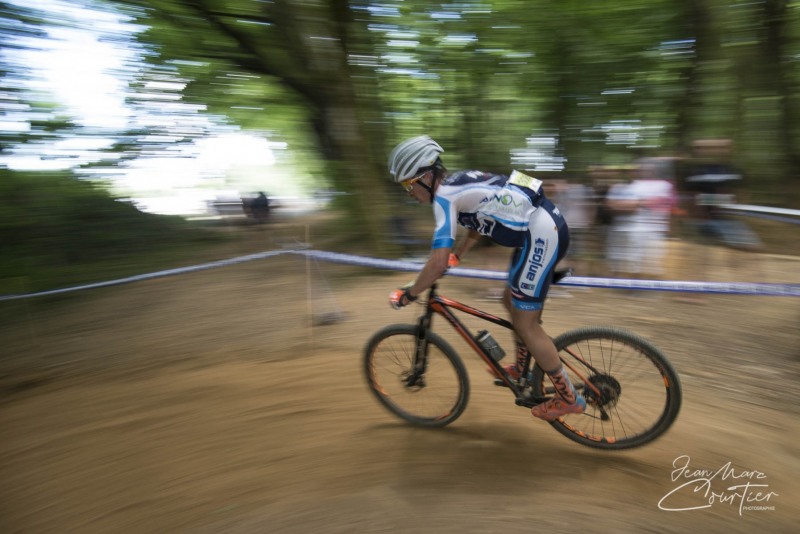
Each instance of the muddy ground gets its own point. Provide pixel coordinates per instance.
(215, 402)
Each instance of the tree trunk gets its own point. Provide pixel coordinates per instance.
(306, 46)
(775, 46)
(698, 23)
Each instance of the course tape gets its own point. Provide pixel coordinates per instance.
(734, 288)
(774, 214)
(761, 209)
(148, 276)
(764, 216)
(731, 288)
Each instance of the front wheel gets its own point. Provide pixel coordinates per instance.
(431, 393)
(632, 392)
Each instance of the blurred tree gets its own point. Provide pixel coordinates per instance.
(603, 81)
(576, 82)
(300, 46)
(741, 84)
(775, 75)
(27, 117)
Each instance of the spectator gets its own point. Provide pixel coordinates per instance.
(600, 179)
(711, 183)
(577, 203)
(655, 194)
(620, 204)
(260, 207)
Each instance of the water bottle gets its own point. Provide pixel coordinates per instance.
(485, 340)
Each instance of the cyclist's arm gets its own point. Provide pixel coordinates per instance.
(433, 270)
(442, 246)
(466, 245)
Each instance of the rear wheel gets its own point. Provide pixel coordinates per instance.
(434, 394)
(632, 392)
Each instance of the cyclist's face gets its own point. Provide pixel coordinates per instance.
(417, 191)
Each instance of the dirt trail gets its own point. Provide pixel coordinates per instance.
(209, 403)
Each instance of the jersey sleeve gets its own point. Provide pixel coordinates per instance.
(445, 233)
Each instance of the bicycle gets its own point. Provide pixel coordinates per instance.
(632, 392)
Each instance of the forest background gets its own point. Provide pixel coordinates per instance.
(551, 87)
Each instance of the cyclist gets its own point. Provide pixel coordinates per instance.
(513, 212)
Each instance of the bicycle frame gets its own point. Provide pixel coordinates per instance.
(437, 304)
(440, 305)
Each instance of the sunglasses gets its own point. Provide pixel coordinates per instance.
(408, 185)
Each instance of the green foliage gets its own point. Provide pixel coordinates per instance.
(606, 82)
(340, 82)
(58, 231)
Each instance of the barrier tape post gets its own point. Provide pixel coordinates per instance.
(309, 305)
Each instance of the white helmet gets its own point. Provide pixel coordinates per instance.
(411, 155)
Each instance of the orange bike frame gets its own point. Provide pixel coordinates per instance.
(442, 306)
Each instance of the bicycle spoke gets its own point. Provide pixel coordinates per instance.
(434, 397)
(632, 394)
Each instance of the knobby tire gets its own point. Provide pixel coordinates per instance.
(388, 361)
(642, 390)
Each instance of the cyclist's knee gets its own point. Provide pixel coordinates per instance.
(526, 319)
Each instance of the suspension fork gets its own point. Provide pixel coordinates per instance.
(421, 348)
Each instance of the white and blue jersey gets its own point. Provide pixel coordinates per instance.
(513, 212)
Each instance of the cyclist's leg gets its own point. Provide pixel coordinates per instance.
(528, 327)
(530, 276)
(567, 400)
(515, 369)
(530, 324)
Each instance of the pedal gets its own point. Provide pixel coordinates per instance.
(529, 400)
(498, 382)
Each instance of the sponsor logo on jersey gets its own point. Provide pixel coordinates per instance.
(503, 204)
(536, 261)
(504, 200)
